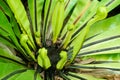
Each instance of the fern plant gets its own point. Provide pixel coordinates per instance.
(59, 39)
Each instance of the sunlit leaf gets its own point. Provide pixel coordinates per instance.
(107, 39)
(8, 68)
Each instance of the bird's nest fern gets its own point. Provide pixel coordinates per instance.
(60, 39)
